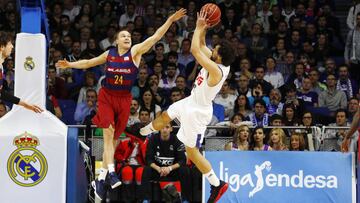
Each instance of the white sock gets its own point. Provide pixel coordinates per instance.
(102, 175)
(111, 168)
(212, 178)
(147, 129)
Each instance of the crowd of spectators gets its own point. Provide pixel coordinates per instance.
(290, 57)
(293, 67)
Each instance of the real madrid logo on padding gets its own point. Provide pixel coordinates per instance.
(27, 166)
(29, 64)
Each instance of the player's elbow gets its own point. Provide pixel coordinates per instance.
(194, 50)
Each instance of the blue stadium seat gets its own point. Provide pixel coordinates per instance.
(67, 107)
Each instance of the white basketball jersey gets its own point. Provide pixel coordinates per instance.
(202, 93)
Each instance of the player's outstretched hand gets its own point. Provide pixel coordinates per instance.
(178, 15)
(31, 107)
(62, 64)
(201, 20)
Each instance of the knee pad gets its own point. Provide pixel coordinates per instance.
(127, 175)
(138, 175)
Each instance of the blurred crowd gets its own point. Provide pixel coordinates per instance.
(293, 67)
(292, 61)
(291, 58)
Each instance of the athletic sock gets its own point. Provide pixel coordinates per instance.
(102, 175)
(111, 168)
(148, 129)
(212, 178)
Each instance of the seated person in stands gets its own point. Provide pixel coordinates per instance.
(257, 93)
(332, 98)
(134, 114)
(334, 137)
(242, 106)
(3, 109)
(130, 160)
(353, 106)
(240, 139)
(90, 83)
(297, 142)
(87, 107)
(166, 161)
(144, 117)
(277, 139)
(257, 140)
(56, 85)
(276, 120)
(275, 106)
(259, 117)
(233, 124)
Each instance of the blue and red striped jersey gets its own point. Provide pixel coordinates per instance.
(120, 71)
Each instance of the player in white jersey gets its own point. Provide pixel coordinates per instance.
(195, 111)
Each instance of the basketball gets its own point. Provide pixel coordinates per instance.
(213, 13)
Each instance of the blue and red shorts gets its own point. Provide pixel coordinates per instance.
(113, 109)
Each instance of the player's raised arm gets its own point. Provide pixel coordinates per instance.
(83, 64)
(143, 47)
(203, 46)
(200, 56)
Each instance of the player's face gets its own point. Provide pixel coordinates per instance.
(123, 39)
(6, 50)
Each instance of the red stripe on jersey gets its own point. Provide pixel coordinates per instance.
(119, 59)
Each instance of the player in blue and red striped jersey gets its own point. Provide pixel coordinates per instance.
(5, 50)
(114, 97)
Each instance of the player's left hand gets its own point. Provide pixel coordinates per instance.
(178, 15)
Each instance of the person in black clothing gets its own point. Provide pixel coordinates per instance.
(5, 50)
(166, 161)
(259, 78)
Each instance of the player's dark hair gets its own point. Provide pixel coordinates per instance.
(226, 52)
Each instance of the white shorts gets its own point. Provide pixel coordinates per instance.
(193, 118)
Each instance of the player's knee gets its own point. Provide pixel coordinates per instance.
(165, 117)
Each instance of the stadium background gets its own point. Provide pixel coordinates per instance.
(87, 32)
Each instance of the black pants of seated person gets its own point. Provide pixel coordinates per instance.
(131, 189)
(181, 174)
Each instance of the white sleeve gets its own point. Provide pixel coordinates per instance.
(350, 18)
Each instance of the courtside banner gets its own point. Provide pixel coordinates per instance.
(283, 177)
(33, 147)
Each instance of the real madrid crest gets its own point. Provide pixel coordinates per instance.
(27, 166)
(29, 64)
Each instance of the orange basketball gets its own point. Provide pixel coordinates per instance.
(213, 13)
